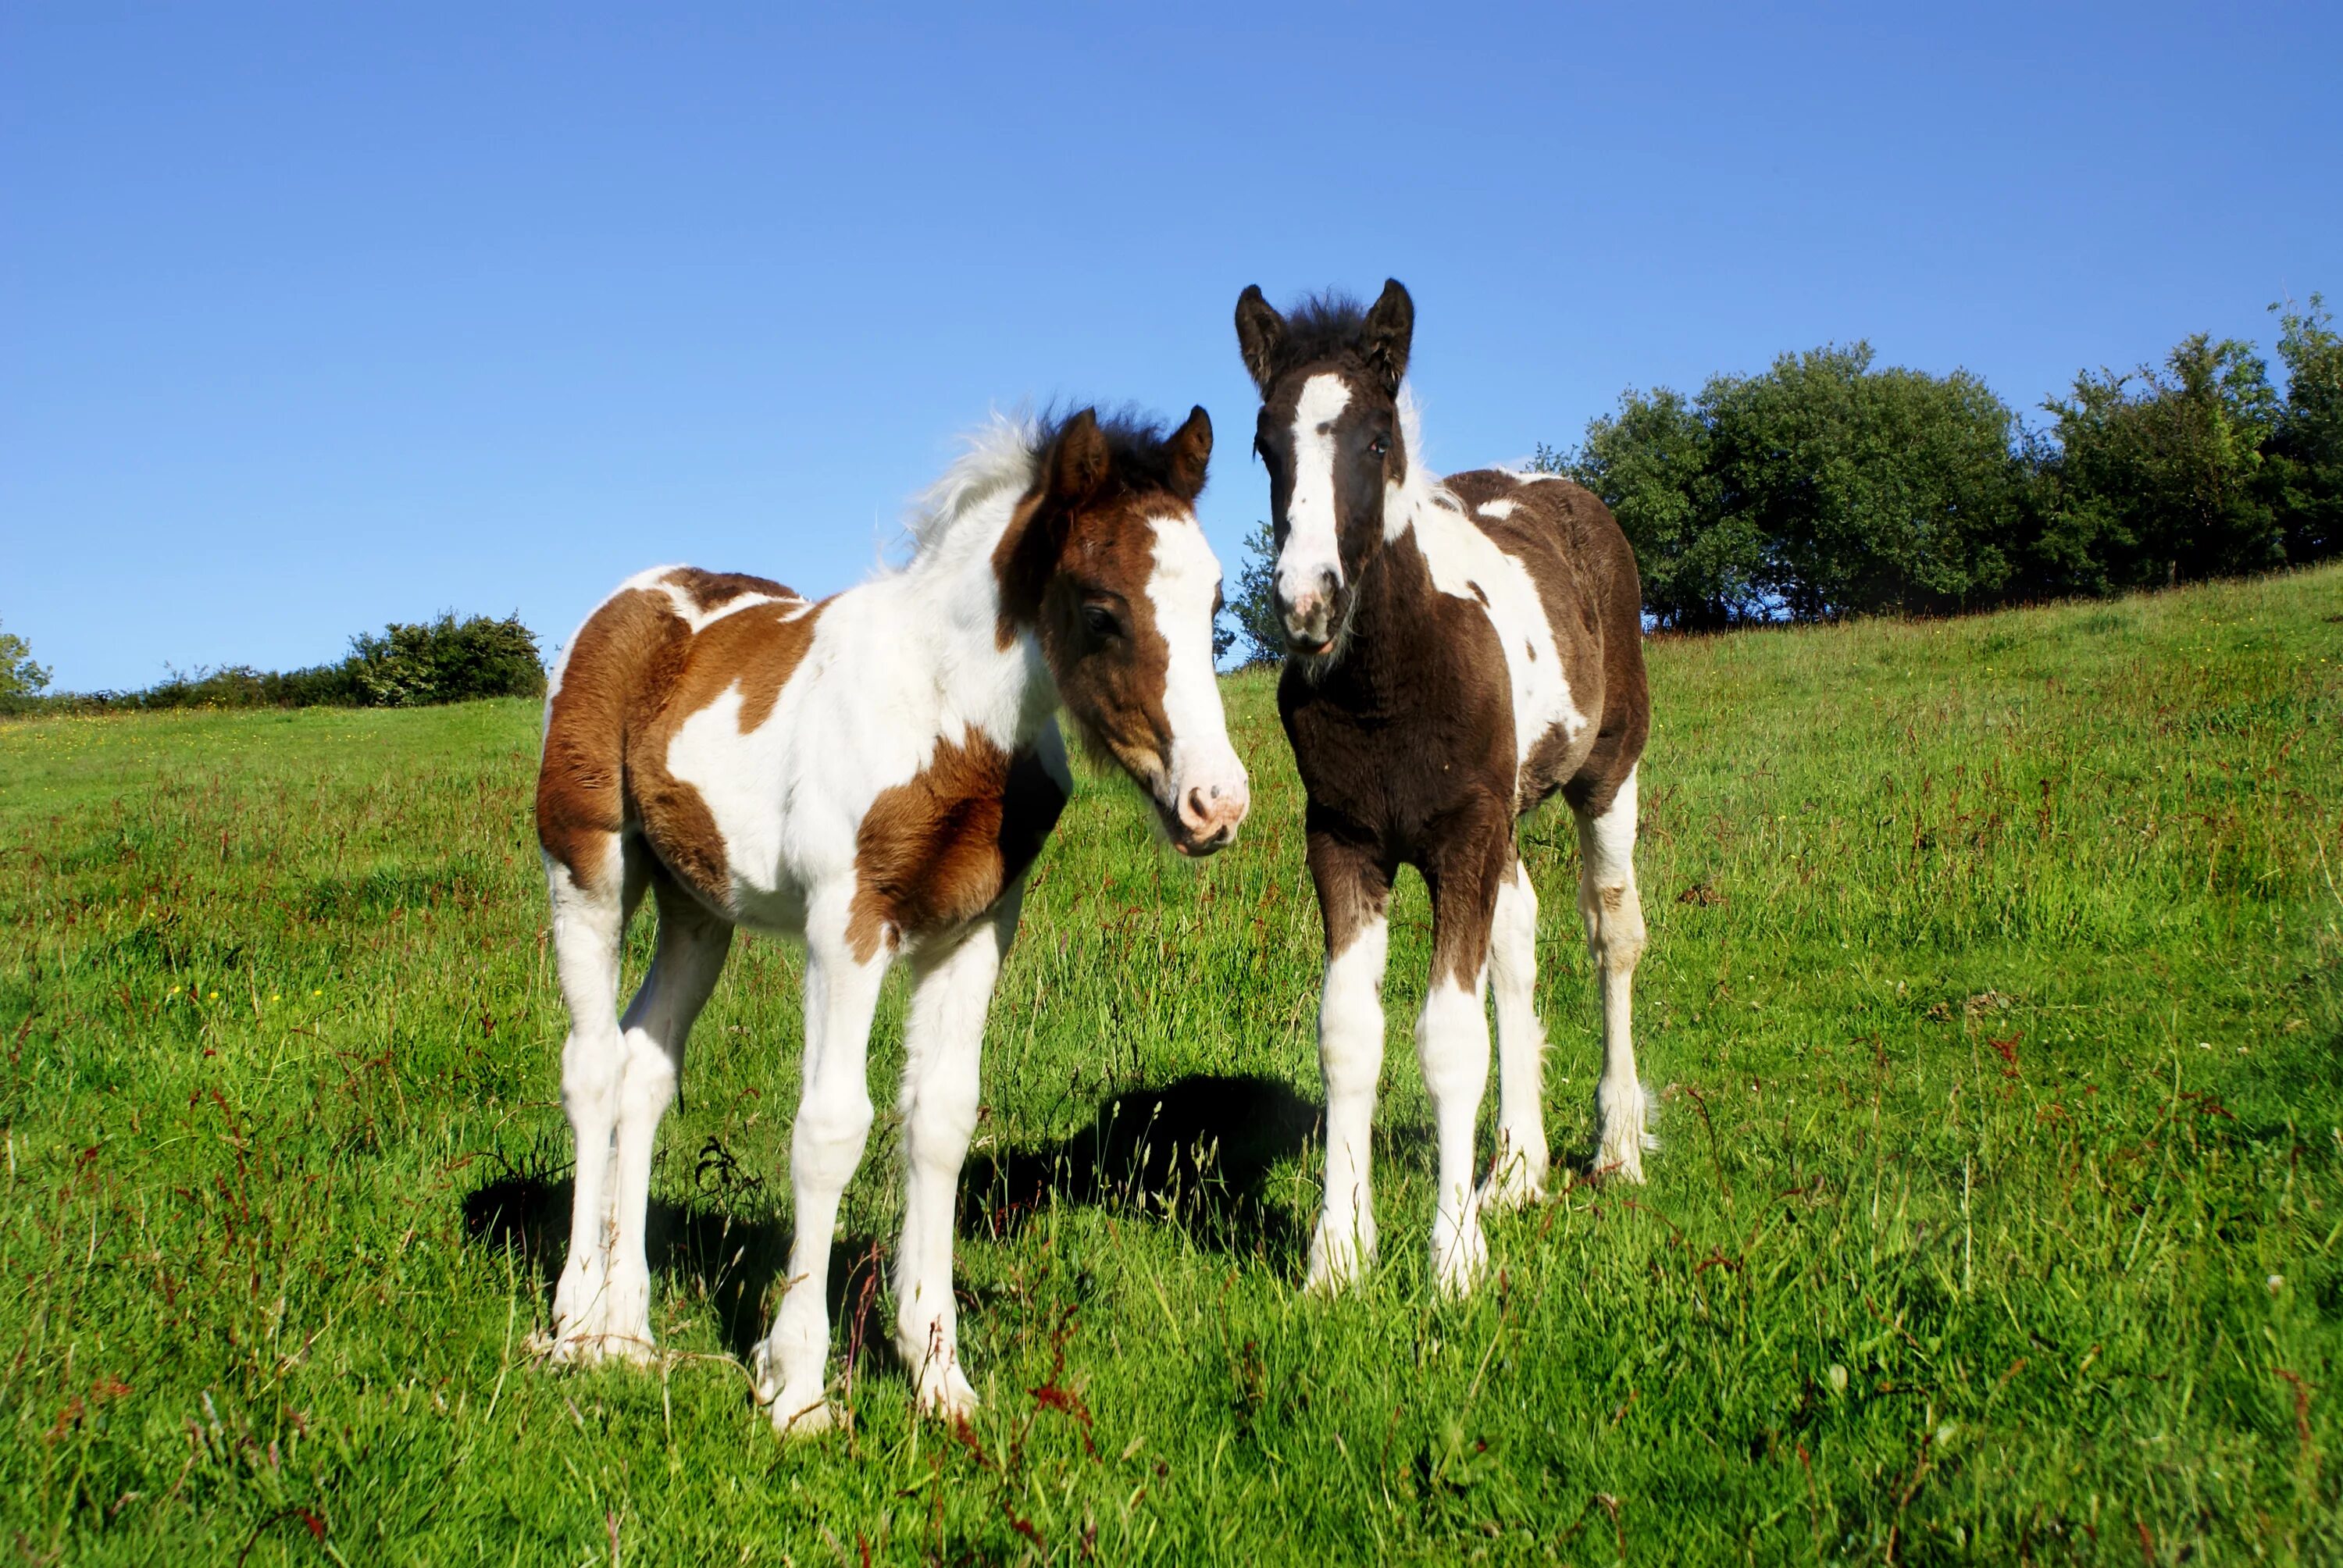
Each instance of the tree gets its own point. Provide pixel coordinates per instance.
(1872, 489)
(19, 676)
(1249, 623)
(2159, 474)
(1821, 487)
(2303, 459)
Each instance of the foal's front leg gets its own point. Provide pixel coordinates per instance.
(841, 992)
(951, 991)
(1464, 873)
(1353, 889)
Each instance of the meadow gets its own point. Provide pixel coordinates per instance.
(1992, 1001)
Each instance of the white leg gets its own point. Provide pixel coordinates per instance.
(1614, 914)
(692, 945)
(1452, 1043)
(944, 1043)
(1351, 1053)
(833, 1121)
(586, 926)
(1519, 1174)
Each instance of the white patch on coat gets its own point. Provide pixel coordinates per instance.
(1311, 546)
(1461, 557)
(1181, 588)
(1500, 508)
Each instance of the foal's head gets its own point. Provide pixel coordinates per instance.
(1107, 566)
(1330, 435)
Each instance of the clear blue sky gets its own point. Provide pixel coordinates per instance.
(317, 317)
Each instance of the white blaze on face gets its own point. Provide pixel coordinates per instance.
(1207, 782)
(1310, 551)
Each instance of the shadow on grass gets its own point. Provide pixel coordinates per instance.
(734, 1263)
(1198, 1150)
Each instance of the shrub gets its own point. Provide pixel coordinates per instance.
(445, 661)
(442, 660)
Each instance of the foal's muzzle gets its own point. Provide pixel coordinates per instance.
(1309, 612)
(1205, 820)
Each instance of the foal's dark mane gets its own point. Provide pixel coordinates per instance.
(1323, 326)
(1141, 446)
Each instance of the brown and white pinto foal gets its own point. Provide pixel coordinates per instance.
(1460, 651)
(873, 773)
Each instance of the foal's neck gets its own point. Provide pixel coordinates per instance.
(954, 593)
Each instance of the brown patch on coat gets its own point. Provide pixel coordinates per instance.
(1114, 696)
(604, 695)
(713, 590)
(635, 673)
(1353, 877)
(939, 849)
(757, 648)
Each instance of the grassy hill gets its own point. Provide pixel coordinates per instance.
(1993, 984)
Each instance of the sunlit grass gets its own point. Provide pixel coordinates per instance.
(1993, 983)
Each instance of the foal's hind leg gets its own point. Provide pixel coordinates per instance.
(589, 919)
(692, 945)
(1614, 913)
(1519, 1175)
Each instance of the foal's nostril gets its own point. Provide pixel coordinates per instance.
(1197, 809)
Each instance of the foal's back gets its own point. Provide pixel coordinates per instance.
(1583, 572)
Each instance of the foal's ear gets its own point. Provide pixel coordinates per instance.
(1078, 468)
(1191, 448)
(1261, 336)
(1390, 330)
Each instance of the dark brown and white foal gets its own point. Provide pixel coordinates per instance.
(873, 773)
(1461, 649)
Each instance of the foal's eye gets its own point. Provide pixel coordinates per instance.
(1380, 446)
(1101, 621)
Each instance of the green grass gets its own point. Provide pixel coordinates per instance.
(1993, 982)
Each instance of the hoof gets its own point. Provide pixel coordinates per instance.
(948, 1398)
(1460, 1265)
(1515, 1186)
(1335, 1266)
(795, 1416)
(1623, 1113)
(1620, 1162)
(596, 1349)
